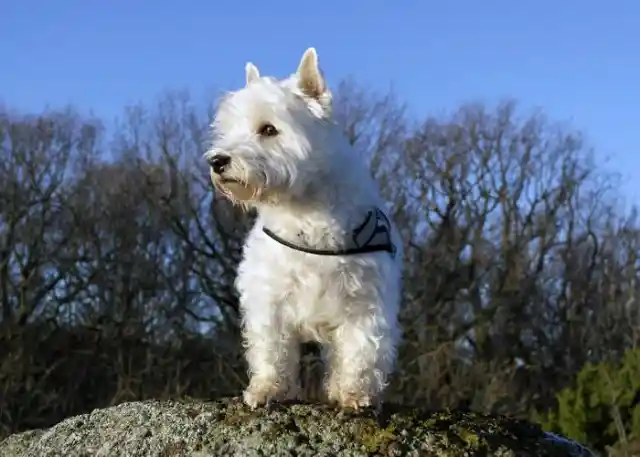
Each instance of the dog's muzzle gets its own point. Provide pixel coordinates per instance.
(220, 164)
(222, 178)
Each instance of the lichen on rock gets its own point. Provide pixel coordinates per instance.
(228, 428)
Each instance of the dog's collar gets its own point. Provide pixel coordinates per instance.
(374, 234)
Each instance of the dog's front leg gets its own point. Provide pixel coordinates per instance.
(361, 359)
(273, 353)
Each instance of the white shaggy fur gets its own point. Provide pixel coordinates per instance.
(308, 186)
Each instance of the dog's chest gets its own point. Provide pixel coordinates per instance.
(306, 285)
(309, 311)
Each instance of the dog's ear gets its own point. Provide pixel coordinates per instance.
(311, 81)
(251, 73)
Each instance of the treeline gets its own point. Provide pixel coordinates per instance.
(117, 260)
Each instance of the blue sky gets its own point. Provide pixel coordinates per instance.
(578, 60)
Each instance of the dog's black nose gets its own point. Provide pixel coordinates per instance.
(219, 163)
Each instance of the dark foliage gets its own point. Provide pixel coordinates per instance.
(117, 260)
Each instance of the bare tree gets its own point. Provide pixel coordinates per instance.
(506, 218)
(39, 156)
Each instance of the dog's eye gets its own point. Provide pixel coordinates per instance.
(267, 130)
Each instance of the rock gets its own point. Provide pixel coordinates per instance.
(227, 428)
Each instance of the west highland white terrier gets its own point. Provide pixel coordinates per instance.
(322, 262)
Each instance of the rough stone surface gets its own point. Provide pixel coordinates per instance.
(227, 428)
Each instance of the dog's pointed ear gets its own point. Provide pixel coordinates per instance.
(310, 79)
(251, 73)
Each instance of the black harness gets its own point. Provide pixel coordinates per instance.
(374, 234)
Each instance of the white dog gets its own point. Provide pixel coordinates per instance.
(322, 262)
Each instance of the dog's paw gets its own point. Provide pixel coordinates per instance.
(261, 393)
(354, 400)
